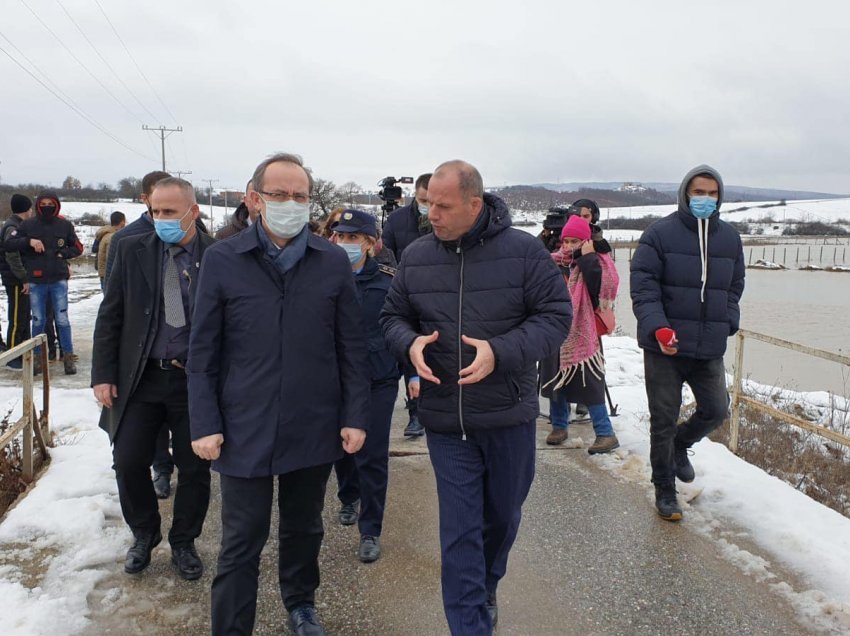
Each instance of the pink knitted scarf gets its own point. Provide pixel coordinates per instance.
(581, 352)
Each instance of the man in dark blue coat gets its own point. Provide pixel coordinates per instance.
(404, 226)
(687, 277)
(473, 307)
(278, 386)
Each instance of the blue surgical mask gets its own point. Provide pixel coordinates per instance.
(353, 250)
(169, 230)
(703, 207)
(423, 209)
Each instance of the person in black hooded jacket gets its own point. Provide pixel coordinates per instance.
(687, 277)
(48, 271)
(473, 307)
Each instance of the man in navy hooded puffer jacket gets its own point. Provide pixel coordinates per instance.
(490, 303)
(687, 277)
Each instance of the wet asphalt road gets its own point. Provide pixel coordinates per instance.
(592, 558)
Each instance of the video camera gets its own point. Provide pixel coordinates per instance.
(391, 193)
(552, 226)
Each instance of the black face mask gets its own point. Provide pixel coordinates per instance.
(48, 210)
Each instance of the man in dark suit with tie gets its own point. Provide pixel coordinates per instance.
(141, 343)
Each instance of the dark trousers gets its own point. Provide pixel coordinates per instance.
(162, 460)
(412, 405)
(160, 397)
(246, 507)
(364, 475)
(482, 483)
(19, 315)
(664, 378)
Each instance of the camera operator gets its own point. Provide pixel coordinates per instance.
(404, 226)
(409, 222)
(552, 226)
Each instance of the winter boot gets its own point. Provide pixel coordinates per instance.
(68, 361)
(666, 502)
(604, 444)
(557, 437)
(684, 468)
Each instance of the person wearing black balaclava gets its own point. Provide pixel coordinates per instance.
(48, 271)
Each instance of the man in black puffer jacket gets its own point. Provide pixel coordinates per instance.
(687, 277)
(473, 307)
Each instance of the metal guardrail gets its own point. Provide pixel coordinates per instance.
(32, 424)
(738, 397)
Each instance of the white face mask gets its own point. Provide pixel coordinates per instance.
(423, 208)
(287, 219)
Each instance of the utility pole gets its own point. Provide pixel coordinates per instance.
(180, 173)
(162, 136)
(212, 219)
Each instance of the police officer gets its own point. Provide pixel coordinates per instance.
(363, 476)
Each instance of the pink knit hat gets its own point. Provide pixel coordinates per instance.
(576, 227)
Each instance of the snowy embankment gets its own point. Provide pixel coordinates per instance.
(67, 534)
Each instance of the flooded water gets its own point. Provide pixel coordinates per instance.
(807, 307)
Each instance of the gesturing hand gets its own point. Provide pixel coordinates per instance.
(37, 245)
(417, 357)
(483, 364)
(352, 439)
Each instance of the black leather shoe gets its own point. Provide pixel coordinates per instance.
(492, 609)
(370, 549)
(348, 514)
(139, 556)
(304, 621)
(162, 485)
(185, 558)
(414, 428)
(684, 468)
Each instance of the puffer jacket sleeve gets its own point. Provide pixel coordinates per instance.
(548, 312)
(646, 272)
(205, 347)
(736, 290)
(398, 319)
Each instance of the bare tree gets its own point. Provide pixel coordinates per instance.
(325, 197)
(70, 183)
(349, 191)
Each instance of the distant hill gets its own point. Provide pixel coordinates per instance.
(733, 192)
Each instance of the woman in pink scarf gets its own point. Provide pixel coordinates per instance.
(580, 376)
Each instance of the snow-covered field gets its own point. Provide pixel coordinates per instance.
(67, 534)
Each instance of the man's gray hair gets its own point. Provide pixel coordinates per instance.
(469, 179)
(260, 172)
(174, 182)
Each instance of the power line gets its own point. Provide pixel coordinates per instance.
(138, 68)
(85, 68)
(104, 60)
(43, 74)
(75, 109)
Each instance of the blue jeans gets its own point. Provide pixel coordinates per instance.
(58, 294)
(559, 410)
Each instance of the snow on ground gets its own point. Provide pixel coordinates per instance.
(67, 534)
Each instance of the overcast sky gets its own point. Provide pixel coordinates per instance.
(528, 91)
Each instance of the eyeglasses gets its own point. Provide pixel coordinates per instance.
(282, 197)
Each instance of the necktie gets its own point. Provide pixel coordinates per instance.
(175, 316)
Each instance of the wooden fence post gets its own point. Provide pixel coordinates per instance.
(736, 393)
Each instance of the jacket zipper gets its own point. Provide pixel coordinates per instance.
(460, 346)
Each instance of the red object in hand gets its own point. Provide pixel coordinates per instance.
(666, 336)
